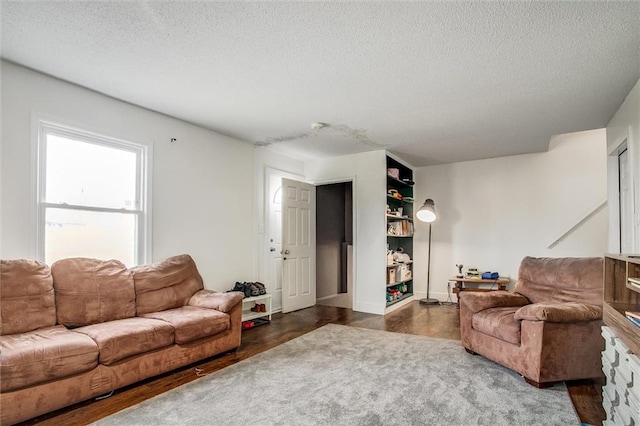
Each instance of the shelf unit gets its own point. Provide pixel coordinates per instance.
(396, 283)
(249, 302)
(399, 232)
(620, 363)
(619, 297)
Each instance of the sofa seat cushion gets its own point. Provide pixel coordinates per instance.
(45, 354)
(499, 323)
(192, 323)
(126, 337)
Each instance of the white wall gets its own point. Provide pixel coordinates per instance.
(202, 184)
(625, 124)
(368, 172)
(494, 212)
(1, 168)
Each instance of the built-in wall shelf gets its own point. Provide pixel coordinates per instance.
(400, 282)
(399, 200)
(392, 217)
(396, 264)
(404, 297)
(396, 182)
(399, 222)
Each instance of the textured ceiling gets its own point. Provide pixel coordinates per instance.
(434, 82)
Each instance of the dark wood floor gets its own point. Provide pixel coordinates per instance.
(435, 321)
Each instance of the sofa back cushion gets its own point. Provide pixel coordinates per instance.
(168, 284)
(27, 300)
(561, 280)
(90, 291)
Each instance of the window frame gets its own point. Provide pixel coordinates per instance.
(45, 127)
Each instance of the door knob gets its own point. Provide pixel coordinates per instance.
(287, 252)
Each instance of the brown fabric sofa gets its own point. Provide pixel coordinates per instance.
(85, 327)
(548, 328)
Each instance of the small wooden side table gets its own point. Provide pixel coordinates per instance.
(460, 285)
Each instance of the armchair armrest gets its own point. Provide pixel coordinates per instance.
(479, 301)
(559, 312)
(222, 302)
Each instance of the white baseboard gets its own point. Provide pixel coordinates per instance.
(340, 300)
(325, 298)
(370, 308)
(441, 296)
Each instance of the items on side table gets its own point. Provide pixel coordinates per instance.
(490, 275)
(473, 273)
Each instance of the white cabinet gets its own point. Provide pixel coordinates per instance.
(621, 393)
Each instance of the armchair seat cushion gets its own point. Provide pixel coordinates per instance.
(192, 323)
(120, 339)
(559, 312)
(44, 354)
(499, 323)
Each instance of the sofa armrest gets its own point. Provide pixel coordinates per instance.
(559, 312)
(222, 302)
(479, 301)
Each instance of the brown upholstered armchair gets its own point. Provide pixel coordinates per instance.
(548, 328)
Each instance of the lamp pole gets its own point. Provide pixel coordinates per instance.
(427, 213)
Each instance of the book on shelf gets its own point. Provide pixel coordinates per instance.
(633, 317)
(403, 228)
(634, 321)
(632, 314)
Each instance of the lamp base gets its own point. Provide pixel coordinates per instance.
(428, 301)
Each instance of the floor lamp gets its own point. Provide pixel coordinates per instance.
(427, 213)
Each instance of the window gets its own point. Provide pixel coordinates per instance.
(91, 196)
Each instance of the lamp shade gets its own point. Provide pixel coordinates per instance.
(427, 212)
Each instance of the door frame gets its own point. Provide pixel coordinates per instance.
(268, 173)
(354, 224)
(273, 171)
(613, 190)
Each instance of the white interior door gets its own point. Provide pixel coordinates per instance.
(298, 245)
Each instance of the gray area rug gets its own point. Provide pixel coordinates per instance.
(340, 375)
